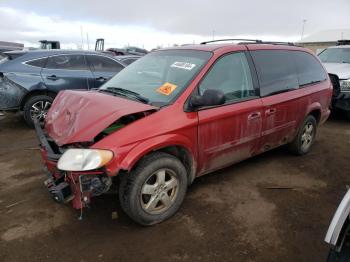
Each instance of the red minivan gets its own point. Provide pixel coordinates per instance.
(177, 114)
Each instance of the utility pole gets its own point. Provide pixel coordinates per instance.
(82, 37)
(303, 28)
(88, 42)
(213, 34)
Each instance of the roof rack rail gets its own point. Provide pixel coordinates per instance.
(249, 41)
(278, 43)
(232, 39)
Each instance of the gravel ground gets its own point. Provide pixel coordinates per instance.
(273, 207)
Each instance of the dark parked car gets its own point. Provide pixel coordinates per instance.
(30, 80)
(127, 59)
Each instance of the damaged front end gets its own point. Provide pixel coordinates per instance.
(77, 120)
(77, 187)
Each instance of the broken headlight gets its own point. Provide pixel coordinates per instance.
(84, 159)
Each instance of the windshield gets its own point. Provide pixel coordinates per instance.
(335, 55)
(159, 76)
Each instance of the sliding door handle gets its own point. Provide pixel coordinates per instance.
(254, 115)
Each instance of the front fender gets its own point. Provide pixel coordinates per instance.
(337, 225)
(153, 144)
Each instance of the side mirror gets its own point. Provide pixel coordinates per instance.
(210, 97)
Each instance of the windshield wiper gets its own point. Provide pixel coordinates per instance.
(126, 93)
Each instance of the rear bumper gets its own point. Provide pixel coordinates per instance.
(10, 95)
(325, 116)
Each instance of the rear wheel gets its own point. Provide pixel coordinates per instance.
(154, 190)
(36, 108)
(303, 141)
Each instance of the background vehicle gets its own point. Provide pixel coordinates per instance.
(336, 59)
(10, 46)
(47, 44)
(199, 108)
(29, 80)
(130, 50)
(338, 234)
(127, 59)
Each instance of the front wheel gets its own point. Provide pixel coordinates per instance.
(303, 141)
(36, 108)
(155, 189)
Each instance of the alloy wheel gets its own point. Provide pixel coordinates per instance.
(307, 136)
(159, 191)
(39, 110)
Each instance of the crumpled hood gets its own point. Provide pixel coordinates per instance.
(342, 70)
(79, 116)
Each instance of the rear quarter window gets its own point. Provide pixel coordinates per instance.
(276, 71)
(37, 62)
(103, 64)
(309, 68)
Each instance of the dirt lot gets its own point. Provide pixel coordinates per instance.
(231, 215)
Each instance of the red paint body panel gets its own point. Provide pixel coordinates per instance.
(214, 137)
(78, 116)
(228, 134)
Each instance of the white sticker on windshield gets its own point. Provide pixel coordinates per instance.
(183, 65)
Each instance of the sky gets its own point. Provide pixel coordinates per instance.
(164, 23)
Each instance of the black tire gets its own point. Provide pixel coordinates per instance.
(296, 146)
(131, 198)
(28, 106)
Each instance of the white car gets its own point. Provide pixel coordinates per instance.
(338, 234)
(336, 60)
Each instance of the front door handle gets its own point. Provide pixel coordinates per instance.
(101, 79)
(52, 77)
(270, 111)
(254, 115)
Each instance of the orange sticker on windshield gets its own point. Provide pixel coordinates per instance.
(167, 88)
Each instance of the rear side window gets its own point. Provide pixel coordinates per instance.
(37, 62)
(67, 62)
(276, 71)
(309, 68)
(103, 64)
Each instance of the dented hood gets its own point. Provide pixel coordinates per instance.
(79, 116)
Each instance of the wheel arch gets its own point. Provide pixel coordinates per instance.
(180, 148)
(35, 93)
(315, 111)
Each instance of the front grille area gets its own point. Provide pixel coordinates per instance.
(336, 85)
